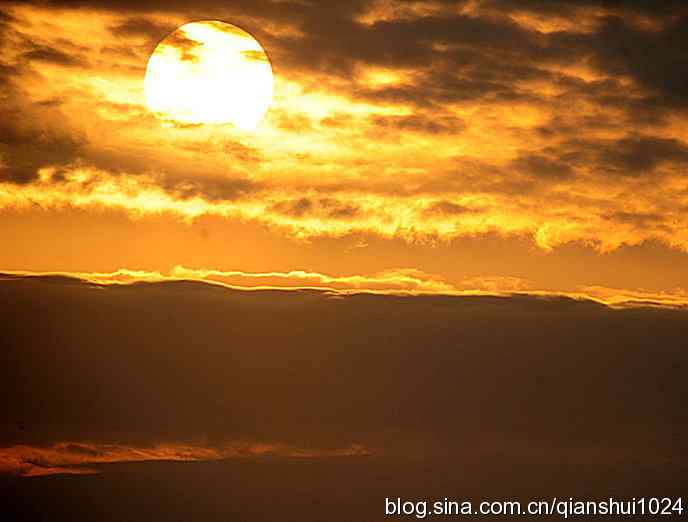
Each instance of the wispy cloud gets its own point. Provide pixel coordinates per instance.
(79, 457)
(401, 281)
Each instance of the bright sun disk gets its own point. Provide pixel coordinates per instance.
(209, 72)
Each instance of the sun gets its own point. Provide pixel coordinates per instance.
(209, 72)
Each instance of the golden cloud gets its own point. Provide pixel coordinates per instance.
(400, 281)
(560, 142)
(76, 457)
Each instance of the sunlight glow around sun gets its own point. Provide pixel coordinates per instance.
(209, 72)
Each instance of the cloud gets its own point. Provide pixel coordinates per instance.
(496, 284)
(418, 123)
(328, 208)
(401, 281)
(187, 47)
(384, 117)
(4, 17)
(635, 298)
(141, 26)
(543, 167)
(390, 280)
(79, 458)
(503, 203)
(631, 155)
(53, 56)
(127, 372)
(27, 146)
(652, 58)
(564, 7)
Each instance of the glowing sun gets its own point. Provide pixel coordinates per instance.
(209, 72)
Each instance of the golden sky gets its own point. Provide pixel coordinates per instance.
(433, 146)
(420, 229)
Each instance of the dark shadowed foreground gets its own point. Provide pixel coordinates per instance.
(305, 405)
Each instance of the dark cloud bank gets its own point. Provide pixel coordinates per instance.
(455, 395)
(177, 361)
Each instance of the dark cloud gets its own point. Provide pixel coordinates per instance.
(28, 145)
(631, 156)
(426, 124)
(479, 175)
(139, 26)
(4, 17)
(567, 7)
(53, 56)
(187, 47)
(403, 43)
(297, 208)
(638, 219)
(468, 58)
(481, 58)
(543, 167)
(209, 188)
(7, 73)
(644, 154)
(573, 125)
(655, 59)
(443, 208)
(135, 6)
(172, 361)
(329, 208)
(335, 209)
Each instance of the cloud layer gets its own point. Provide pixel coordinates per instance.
(403, 281)
(424, 120)
(177, 368)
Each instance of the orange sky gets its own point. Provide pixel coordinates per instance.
(456, 146)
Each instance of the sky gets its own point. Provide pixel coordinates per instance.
(458, 230)
(489, 145)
